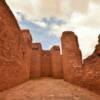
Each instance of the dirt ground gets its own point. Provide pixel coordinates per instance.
(47, 89)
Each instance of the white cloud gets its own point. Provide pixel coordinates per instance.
(82, 16)
(88, 37)
(41, 24)
(80, 5)
(36, 9)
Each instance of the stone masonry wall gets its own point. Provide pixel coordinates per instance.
(56, 64)
(46, 63)
(27, 49)
(91, 70)
(12, 69)
(71, 56)
(36, 60)
(20, 59)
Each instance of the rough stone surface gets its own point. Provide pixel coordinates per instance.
(97, 48)
(12, 69)
(27, 49)
(20, 59)
(36, 60)
(3, 0)
(46, 63)
(91, 71)
(71, 56)
(48, 89)
(99, 38)
(56, 62)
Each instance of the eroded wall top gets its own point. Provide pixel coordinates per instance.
(71, 39)
(36, 46)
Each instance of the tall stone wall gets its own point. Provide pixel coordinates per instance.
(36, 60)
(27, 49)
(56, 62)
(3, 0)
(12, 69)
(71, 57)
(97, 48)
(20, 59)
(91, 70)
(46, 63)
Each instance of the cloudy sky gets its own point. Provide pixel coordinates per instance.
(47, 19)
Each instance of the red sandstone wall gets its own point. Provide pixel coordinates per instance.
(46, 63)
(91, 74)
(15, 57)
(36, 60)
(91, 71)
(71, 55)
(27, 49)
(56, 62)
(12, 69)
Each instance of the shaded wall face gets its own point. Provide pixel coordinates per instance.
(71, 55)
(27, 49)
(97, 51)
(91, 74)
(56, 63)
(71, 41)
(12, 70)
(10, 22)
(91, 71)
(36, 62)
(46, 63)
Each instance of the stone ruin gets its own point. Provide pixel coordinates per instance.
(13, 68)
(46, 64)
(87, 74)
(91, 70)
(71, 56)
(20, 59)
(36, 60)
(56, 62)
(26, 49)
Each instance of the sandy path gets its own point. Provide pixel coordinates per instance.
(47, 89)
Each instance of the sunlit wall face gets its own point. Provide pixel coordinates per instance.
(47, 19)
